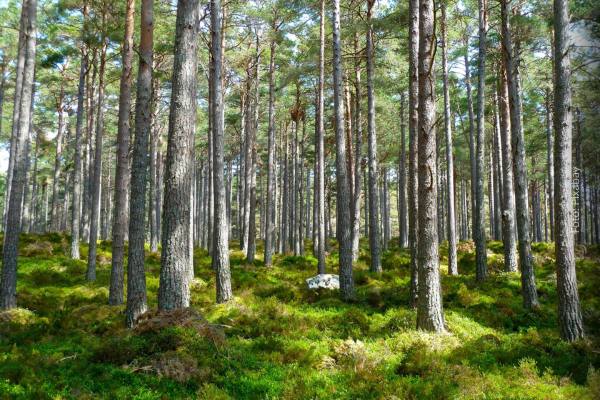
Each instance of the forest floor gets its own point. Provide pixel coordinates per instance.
(278, 340)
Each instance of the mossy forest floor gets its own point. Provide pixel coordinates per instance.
(278, 340)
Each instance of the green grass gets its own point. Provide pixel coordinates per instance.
(277, 340)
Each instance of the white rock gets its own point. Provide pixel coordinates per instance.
(324, 281)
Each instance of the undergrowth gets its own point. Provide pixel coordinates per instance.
(278, 340)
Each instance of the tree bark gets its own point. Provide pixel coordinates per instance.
(479, 236)
(155, 183)
(220, 257)
(471, 131)
(77, 149)
(95, 183)
(550, 162)
(270, 214)
(402, 210)
(451, 222)
(174, 286)
(253, 131)
(358, 133)
(8, 279)
(136, 278)
(344, 231)
(497, 174)
(528, 288)
(508, 202)
(569, 311)
(19, 76)
(372, 148)
(60, 109)
(413, 125)
(320, 181)
(430, 315)
(115, 295)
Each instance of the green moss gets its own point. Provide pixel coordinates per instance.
(285, 341)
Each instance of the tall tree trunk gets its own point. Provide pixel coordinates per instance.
(550, 162)
(60, 109)
(248, 161)
(95, 183)
(8, 279)
(19, 76)
(358, 133)
(451, 225)
(413, 129)
(154, 163)
(430, 315)
(136, 278)
(174, 286)
(529, 290)
(320, 175)
(385, 211)
(28, 225)
(372, 139)
(479, 215)
(569, 311)
(270, 214)
(471, 131)
(251, 244)
(508, 202)
(3, 64)
(402, 210)
(580, 190)
(497, 174)
(220, 258)
(87, 173)
(115, 295)
(77, 149)
(344, 222)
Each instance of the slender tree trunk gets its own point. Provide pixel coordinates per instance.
(344, 233)
(154, 165)
(569, 311)
(387, 222)
(115, 295)
(320, 186)
(19, 76)
(3, 64)
(497, 174)
(136, 278)
(248, 161)
(77, 145)
(550, 162)
(221, 241)
(413, 124)
(270, 217)
(373, 195)
(251, 244)
(87, 173)
(60, 109)
(358, 133)
(28, 225)
(508, 202)
(8, 279)
(430, 315)
(529, 290)
(580, 193)
(452, 264)
(174, 286)
(471, 131)
(402, 210)
(481, 271)
(97, 173)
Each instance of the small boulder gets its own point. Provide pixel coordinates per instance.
(324, 281)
